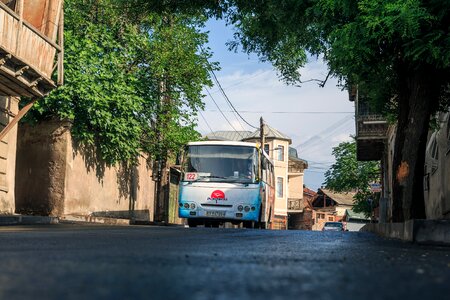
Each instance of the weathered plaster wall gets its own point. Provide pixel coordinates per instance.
(99, 190)
(40, 168)
(8, 109)
(437, 172)
(295, 185)
(55, 177)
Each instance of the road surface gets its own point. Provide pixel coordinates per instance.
(70, 261)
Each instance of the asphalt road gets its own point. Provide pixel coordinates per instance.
(143, 262)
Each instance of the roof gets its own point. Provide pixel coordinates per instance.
(226, 143)
(309, 191)
(227, 135)
(303, 162)
(354, 215)
(269, 133)
(340, 198)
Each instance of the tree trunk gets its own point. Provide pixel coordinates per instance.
(418, 99)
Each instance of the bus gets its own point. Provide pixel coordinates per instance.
(226, 181)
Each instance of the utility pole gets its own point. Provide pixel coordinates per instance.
(262, 142)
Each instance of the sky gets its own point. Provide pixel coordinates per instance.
(316, 119)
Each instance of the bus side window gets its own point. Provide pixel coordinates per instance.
(272, 175)
(264, 171)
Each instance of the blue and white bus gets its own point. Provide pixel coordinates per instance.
(226, 182)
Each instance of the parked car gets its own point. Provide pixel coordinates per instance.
(333, 226)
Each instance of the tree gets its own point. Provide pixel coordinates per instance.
(396, 51)
(115, 62)
(348, 174)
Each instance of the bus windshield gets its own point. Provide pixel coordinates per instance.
(221, 163)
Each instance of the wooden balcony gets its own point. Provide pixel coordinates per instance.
(371, 133)
(29, 53)
(295, 205)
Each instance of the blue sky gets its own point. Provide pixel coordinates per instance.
(255, 90)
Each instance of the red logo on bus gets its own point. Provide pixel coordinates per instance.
(217, 194)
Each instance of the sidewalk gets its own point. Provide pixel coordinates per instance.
(6, 220)
(435, 232)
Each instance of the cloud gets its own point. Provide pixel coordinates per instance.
(256, 90)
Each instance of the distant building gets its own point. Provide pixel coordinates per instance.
(303, 219)
(355, 221)
(330, 206)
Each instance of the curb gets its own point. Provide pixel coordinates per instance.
(27, 220)
(93, 219)
(427, 232)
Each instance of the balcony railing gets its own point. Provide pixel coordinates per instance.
(371, 126)
(27, 55)
(295, 204)
(371, 132)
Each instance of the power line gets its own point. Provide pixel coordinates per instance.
(225, 95)
(223, 113)
(317, 139)
(242, 81)
(228, 100)
(207, 124)
(287, 112)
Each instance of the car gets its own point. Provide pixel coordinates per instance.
(333, 226)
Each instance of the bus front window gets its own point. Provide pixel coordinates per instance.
(221, 163)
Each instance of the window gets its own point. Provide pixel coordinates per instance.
(280, 153)
(279, 187)
(266, 148)
(330, 219)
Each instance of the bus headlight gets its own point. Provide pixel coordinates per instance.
(247, 208)
(186, 205)
(192, 205)
(240, 208)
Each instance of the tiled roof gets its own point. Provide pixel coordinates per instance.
(270, 133)
(340, 198)
(356, 216)
(227, 135)
(309, 191)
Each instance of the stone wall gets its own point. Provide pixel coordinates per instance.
(56, 177)
(9, 107)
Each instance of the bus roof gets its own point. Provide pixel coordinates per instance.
(222, 143)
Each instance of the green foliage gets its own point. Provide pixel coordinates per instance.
(363, 42)
(349, 174)
(115, 63)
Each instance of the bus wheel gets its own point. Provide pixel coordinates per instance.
(247, 224)
(215, 224)
(192, 223)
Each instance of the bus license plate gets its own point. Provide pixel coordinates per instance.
(215, 214)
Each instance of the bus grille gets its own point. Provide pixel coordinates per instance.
(216, 205)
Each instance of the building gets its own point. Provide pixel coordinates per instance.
(303, 219)
(375, 140)
(437, 171)
(355, 221)
(330, 206)
(298, 209)
(31, 36)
